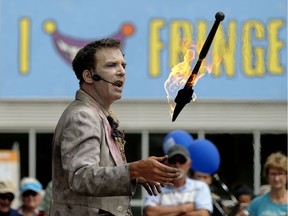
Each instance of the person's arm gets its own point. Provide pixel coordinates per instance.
(203, 201)
(178, 210)
(200, 212)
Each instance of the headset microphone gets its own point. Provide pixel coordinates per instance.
(96, 77)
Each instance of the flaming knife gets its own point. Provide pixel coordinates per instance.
(184, 95)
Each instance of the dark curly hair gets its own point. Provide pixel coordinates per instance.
(85, 57)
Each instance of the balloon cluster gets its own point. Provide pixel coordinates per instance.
(204, 154)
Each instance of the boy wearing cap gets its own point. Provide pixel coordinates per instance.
(7, 192)
(187, 197)
(31, 196)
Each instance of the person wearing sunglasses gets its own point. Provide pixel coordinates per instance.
(7, 195)
(31, 196)
(186, 197)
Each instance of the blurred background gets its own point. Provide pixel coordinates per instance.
(241, 101)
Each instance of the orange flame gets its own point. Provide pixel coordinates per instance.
(180, 74)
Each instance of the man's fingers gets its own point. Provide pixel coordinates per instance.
(154, 171)
(172, 175)
(155, 187)
(152, 188)
(167, 170)
(158, 187)
(170, 184)
(147, 188)
(170, 170)
(165, 181)
(167, 184)
(162, 159)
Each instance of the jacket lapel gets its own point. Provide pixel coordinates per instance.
(114, 149)
(115, 152)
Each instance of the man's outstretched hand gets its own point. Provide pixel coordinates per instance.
(151, 173)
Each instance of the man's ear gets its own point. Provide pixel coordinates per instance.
(87, 76)
(189, 163)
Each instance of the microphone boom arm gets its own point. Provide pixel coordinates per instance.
(97, 77)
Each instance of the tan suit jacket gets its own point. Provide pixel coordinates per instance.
(88, 172)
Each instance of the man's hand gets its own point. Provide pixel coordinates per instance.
(152, 171)
(153, 188)
(186, 208)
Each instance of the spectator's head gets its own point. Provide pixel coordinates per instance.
(275, 169)
(31, 192)
(204, 177)
(87, 57)
(7, 194)
(276, 161)
(178, 156)
(244, 194)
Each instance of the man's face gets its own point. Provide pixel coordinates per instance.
(110, 66)
(179, 161)
(5, 202)
(277, 178)
(31, 199)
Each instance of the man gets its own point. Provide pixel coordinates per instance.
(7, 195)
(274, 202)
(31, 196)
(90, 174)
(186, 197)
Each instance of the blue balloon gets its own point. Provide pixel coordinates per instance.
(205, 156)
(177, 137)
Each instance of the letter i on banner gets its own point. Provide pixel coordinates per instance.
(24, 45)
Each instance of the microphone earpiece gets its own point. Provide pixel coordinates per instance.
(96, 77)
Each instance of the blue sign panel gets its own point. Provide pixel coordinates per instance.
(246, 61)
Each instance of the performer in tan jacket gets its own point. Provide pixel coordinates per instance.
(90, 174)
